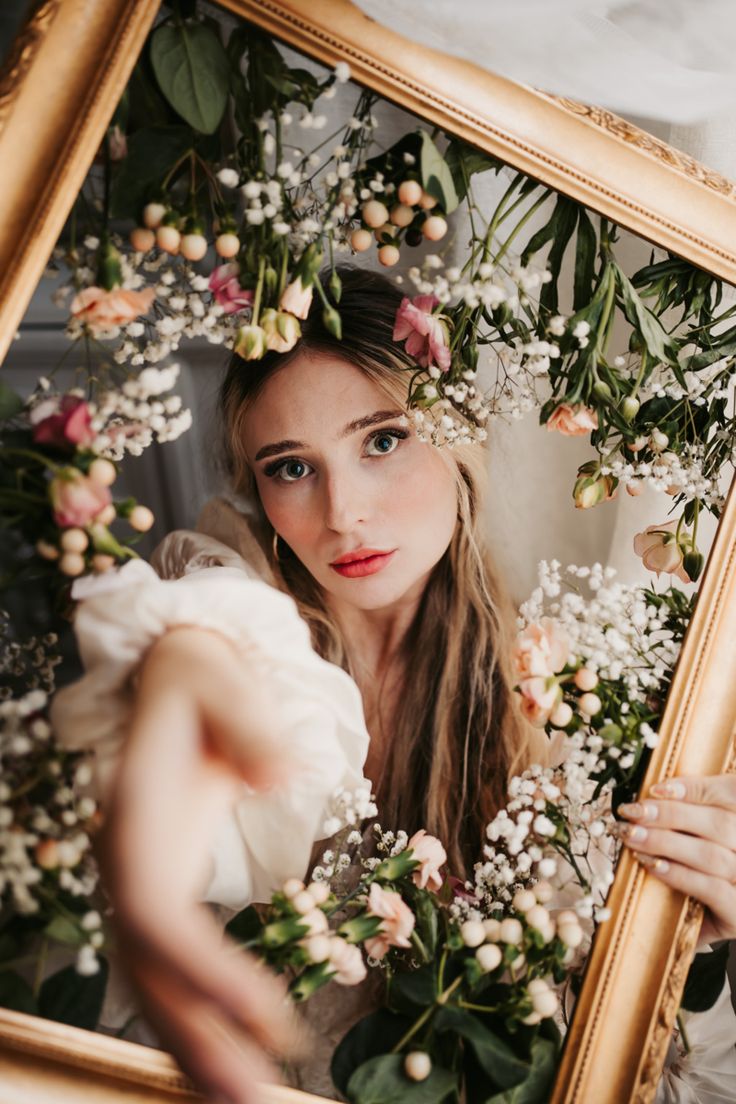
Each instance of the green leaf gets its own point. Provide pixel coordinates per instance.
(190, 64)
(464, 161)
(705, 980)
(152, 152)
(584, 261)
(436, 175)
(494, 1055)
(10, 402)
(657, 341)
(382, 1080)
(536, 1088)
(413, 990)
(245, 926)
(70, 998)
(375, 1034)
(565, 218)
(16, 993)
(64, 931)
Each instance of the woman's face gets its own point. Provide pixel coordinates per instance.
(342, 476)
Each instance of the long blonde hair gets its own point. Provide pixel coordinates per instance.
(458, 734)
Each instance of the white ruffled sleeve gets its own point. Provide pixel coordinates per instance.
(265, 837)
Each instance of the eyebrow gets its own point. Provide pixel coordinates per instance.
(351, 427)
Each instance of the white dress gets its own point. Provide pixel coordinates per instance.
(219, 578)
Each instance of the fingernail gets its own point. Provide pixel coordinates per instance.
(639, 811)
(633, 833)
(655, 865)
(673, 789)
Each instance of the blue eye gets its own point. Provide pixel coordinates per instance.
(386, 441)
(288, 471)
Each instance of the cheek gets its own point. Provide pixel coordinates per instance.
(424, 504)
(291, 512)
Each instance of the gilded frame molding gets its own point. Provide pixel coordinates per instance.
(85, 50)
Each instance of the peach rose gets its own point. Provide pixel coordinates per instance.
(282, 330)
(431, 855)
(398, 921)
(76, 499)
(346, 959)
(541, 649)
(102, 310)
(296, 298)
(660, 551)
(573, 421)
(539, 696)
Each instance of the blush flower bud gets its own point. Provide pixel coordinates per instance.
(251, 342)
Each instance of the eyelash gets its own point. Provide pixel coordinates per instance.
(273, 470)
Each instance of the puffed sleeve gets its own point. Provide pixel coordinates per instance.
(265, 837)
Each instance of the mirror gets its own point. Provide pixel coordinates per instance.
(530, 286)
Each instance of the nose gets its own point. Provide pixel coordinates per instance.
(344, 505)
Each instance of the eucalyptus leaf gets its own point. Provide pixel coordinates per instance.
(494, 1055)
(64, 931)
(71, 998)
(536, 1088)
(436, 176)
(191, 68)
(705, 980)
(382, 1080)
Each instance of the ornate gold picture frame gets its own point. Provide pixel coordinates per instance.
(85, 51)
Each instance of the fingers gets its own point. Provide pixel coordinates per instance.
(715, 893)
(709, 822)
(705, 856)
(717, 789)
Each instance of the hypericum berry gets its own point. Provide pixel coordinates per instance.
(427, 201)
(292, 886)
(388, 255)
(434, 228)
(585, 679)
(492, 928)
(142, 239)
(71, 563)
(382, 233)
(544, 1001)
(103, 471)
(489, 957)
(102, 562)
(317, 947)
(401, 215)
(410, 192)
(511, 931)
(361, 240)
(472, 933)
(523, 900)
(106, 515)
(414, 236)
(227, 245)
(74, 540)
(417, 1065)
(153, 213)
(303, 902)
(168, 238)
(374, 213)
(570, 934)
(193, 247)
(561, 715)
(590, 704)
(47, 854)
(141, 518)
(543, 891)
(319, 892)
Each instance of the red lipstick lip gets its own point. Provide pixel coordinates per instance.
(359, 554)
(366, 565)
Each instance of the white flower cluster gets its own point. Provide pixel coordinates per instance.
(348, 808)
(615, 630)
(670, 472)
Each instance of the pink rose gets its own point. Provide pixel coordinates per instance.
(424, 333)
(573, 421)
(660, 551)
(347, 961)
(398, 921)
(228, 293)
(541, 649)
(431, 855)
(63, 422)
(76, 498)
(102, 310)
(539, 696)
(296, 298)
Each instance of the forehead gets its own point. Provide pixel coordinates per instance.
(312, 398)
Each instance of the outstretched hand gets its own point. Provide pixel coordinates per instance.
(199, 731)
(684, 832)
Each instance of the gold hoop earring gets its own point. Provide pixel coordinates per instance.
(275, 546)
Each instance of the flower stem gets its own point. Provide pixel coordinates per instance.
(426, 1015)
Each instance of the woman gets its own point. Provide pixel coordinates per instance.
(246, 714)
